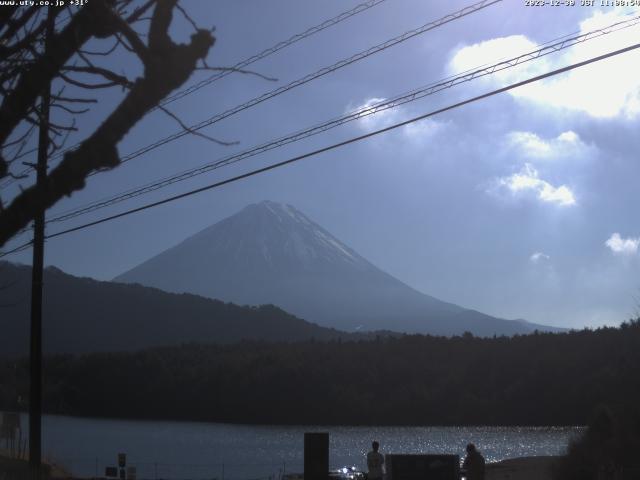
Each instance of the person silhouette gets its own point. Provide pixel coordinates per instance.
(473, 463)
(375, 462)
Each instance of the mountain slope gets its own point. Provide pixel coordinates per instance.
(272, 253)
(84, 315)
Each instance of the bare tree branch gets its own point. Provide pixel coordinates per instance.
(114, 78)
(70, 110)
(137, 14)
(106, 53)
(12, 26)
(19, 139)
(237, 70)
(196, 132)
(136, 45)
(88, 21)
(59, 98)
(187, 17)
(99, 151)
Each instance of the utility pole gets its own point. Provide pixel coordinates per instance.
(35, 364)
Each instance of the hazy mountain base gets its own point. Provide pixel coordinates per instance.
(82, 315)
(542, 379)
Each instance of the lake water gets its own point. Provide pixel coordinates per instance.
(183, 450)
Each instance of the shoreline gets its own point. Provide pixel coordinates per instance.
(519, 468)
(12, 465)
(169, 419)
(522, 468)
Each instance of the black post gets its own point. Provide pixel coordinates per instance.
(35, 392)
(316, 456)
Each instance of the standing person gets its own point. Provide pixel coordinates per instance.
(375, 462)
(473, 463)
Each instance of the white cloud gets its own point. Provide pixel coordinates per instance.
(623, 246)
(373, 119)
(569, 136)
(422, 129)
(533, 146)
(492, 51)
(561, 195)
(537, 257)
(602, 89)
(528, 179)
(530, 143)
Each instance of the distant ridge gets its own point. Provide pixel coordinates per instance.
(273, 253)
(83, 315)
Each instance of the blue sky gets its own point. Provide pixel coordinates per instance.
(520, 206)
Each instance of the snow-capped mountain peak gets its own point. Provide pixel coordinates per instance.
(273, 253)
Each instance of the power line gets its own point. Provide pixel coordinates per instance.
(20, 248)
(398, 100)
(362, 7)
(312, 76)
(343, 143)
(276, 48)
(306, 79)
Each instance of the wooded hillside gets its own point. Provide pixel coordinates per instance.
(539, 379)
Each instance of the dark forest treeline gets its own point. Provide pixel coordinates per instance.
(539, 379)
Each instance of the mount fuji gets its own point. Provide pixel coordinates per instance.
(269, 253)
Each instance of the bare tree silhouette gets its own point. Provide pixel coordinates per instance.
(138, 28)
